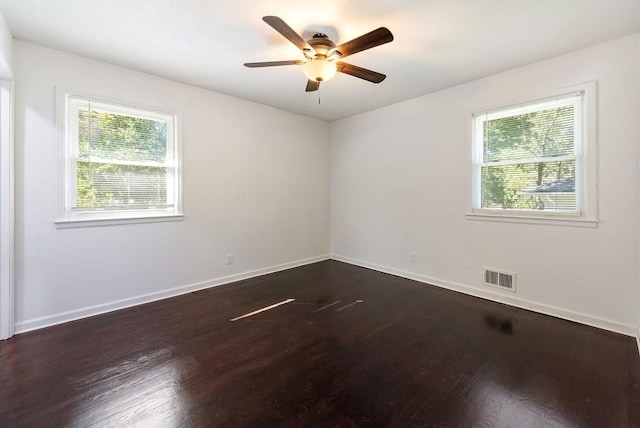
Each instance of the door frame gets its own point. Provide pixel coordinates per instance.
(7, 210)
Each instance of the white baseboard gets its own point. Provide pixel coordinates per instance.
(605, 324)
(60, 318)
(638, 340)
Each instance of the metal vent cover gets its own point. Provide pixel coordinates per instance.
(500, 279)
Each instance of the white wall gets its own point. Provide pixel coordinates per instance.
(256, 184)
(400, 183)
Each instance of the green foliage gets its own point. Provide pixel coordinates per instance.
(119, 161)
(526, 137)
(120, 137)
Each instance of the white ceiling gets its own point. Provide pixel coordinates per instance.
(438, 43)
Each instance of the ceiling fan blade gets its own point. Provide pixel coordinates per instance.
(281, 27)
(312, 85)
(367, 41)
(272, 63)
(362, 73)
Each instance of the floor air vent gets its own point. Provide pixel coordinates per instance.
(500, 279)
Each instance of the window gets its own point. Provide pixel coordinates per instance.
(532, 160)
(120, 162)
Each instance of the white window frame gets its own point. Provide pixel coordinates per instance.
(585, 157)
(66, 216)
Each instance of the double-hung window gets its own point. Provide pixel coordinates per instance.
(120, 162)
(536, 159)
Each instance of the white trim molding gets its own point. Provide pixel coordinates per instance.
(51, 320)
(603, 323)
(69, 224)
(7, 214)
(548, 221)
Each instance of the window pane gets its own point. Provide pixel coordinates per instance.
(547, 186)
(122, 161)
(120, 137)
(545, 133)
(120, 186)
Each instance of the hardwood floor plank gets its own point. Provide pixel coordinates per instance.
(397, 353)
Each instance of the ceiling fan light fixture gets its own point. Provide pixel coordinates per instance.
(319, 69)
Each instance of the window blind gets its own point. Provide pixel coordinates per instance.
(121, 158)
(529, 157)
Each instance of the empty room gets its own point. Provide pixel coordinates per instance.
(320, 214)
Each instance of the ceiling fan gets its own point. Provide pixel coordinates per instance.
(321, 55)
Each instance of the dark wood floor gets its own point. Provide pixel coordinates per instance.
(407, 355)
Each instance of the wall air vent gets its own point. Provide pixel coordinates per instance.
(500, 279)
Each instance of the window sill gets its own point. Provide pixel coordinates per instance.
(549, 221)
(101, 222)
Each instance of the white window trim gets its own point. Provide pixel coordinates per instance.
(65, 218)
(587, 174)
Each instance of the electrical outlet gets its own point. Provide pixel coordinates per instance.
(412, 257)
(229, 259)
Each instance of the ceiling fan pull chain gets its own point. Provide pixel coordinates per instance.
(318, 91)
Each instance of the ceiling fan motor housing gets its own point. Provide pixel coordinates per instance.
(321, 44)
